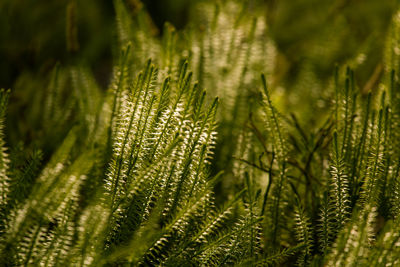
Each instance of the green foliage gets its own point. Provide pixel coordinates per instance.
(135, 175)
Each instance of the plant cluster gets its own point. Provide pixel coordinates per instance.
(157, 172)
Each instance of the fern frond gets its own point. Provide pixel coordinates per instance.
(387, 248)
(376, 160)
(51, 199)
(215, 222)
(281, 151)
(340, 185)
(227, 249)
(279, 257)
(89, 98)
(91, 229)
(4, 161)
(326, 229)
(274, 124)
(304, 235)
(24, 178)
(57, 250)
(353, 243)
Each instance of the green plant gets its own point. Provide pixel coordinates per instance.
(136, 175)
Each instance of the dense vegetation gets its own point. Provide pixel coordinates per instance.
(207, 148)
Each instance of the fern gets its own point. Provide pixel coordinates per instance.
(135, 174)
(279, 257)
(4, 161)
(304, 235)
(280, 148)
(352, 246)
(340, 190)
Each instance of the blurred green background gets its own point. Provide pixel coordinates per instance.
(311, 37)
(321, 33)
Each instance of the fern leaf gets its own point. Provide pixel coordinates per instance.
(340, 190)
(352, 245)
(304, 235)
(4, 161)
